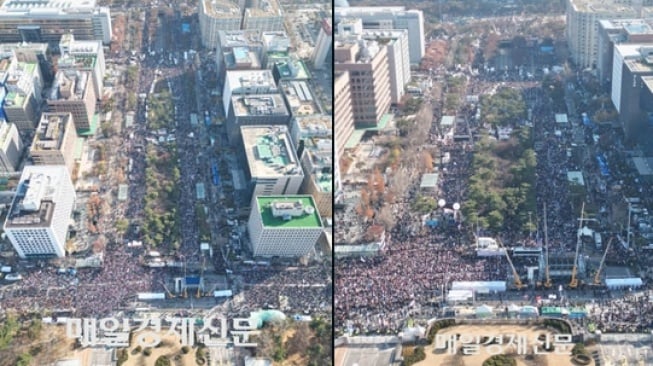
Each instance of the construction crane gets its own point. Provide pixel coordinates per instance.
(597, 276)
(574, 280)
(170, 294)
(547, 282)
(516, 280)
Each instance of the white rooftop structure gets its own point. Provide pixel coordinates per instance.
(561, 118)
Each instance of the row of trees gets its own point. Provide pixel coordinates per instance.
(504, 108)
(162, 179)
(501, 190)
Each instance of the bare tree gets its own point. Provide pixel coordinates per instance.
(385, 217)
(300, 341)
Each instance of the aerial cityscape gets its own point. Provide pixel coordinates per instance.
(166, 175)
(492, 182)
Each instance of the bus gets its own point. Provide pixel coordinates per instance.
(214, 174)
(526, 252)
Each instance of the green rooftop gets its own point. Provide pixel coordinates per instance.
(311, 220)
(93, 127)
(17, 98)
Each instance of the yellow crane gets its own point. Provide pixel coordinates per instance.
(597, 275)
(516, 280)
(574, 280)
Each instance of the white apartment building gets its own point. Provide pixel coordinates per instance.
(37, 222)
(285, 226)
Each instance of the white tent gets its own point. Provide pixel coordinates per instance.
(512, 308)
(483, 310)
(480, 286)
(621, 283)
(529, 310)
(459, 295)
(413, 333)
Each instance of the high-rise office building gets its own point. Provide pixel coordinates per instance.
(285, 226)
(227, 15)
(73, 91)
(343, 116)
(390, 17)
(37, 222)
(369, 79)
(54, 141)
(11, 147)
(583, 18)
(48, 20)
(323, 45)
(272, 164)
(396, 42)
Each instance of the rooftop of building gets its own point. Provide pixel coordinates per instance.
(640, 65)
(34, 203)
(276, 41)
(8, 49)
(250, 79)
(14, 99)
(603, 6)
(50, 131)
(221, 8)
(321, 156)
(648, 82)
(628, 50)
(12, 8)
(293, 69)
(259, 105)
(287, 212)
(316, 125)
(370, 9)
(240, 38)
(14, 72)
(81, 62)
(365, 50)
(265, 8)
(69, 85)
(300, 97)
(239, 56)
(270, 151)
(5, 129)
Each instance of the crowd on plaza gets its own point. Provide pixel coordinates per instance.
(377, 294)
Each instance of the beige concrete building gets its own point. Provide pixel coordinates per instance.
(369, 79)
(54, 141)
(263, 15)
(73, 91)
(583, 18)
(317, 163)
(11, 147)
(48, 20)
(272, 164)
(323, 45)
(342, 113)
(216, 16)
(226, 15)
